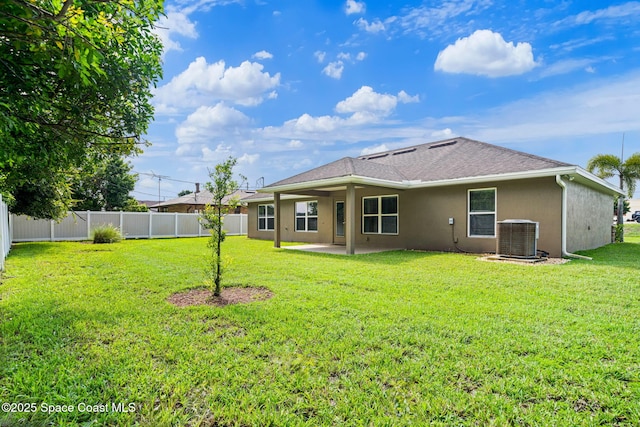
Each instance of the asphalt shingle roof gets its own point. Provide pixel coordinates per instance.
(203, 197)
(441, 160)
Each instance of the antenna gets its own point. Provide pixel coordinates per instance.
(260, 182)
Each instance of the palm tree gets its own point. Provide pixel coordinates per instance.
(628, 171)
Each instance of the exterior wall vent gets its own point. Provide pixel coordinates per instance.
(517, 238)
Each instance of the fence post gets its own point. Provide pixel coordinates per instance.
(175, 223)
(51, 232)
(122, 225)
(88, 225)
(150, 223)
(4, 213)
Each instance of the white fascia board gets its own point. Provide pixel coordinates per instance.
(332, 182)
(268, 198)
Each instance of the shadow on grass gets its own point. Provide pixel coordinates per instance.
(31, 249)
(391, 257)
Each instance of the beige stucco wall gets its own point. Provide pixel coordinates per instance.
(287, 222)
(424, 217)
(589, 217)
(536, 200)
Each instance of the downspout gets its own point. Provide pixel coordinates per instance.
(563, 185)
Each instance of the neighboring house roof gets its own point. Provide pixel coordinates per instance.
(203, 197)
(447, 162)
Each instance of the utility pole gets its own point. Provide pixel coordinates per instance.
(153, 174)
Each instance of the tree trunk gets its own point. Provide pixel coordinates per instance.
(621, 208)
(219, 237)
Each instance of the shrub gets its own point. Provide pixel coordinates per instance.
(106, 234)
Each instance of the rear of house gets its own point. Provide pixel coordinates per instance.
(443, 196)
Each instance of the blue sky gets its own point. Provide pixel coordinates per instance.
(285, 86)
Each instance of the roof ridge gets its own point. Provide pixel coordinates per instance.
(350, 169)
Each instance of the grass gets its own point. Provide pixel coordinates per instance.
(398, 338)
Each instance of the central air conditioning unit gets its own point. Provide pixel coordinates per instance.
(517, 238)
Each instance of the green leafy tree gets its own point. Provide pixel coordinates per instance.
(75, 83)
(222, 187)
(184, 193)
(105, 185)
(628, 172)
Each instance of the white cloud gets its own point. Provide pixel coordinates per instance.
(486, 53)
(320, 56)
(361, 56)
(566, 66)
(263, 54)
(353, 6)
(207, 122)
(366, 100)
(202, 82)
(374, 149)
(449, 17)
(309, 124)
(595, 108)
(442, 134)
(405, 98)
(375, 27)
(248, 159)
(629, 9)
(295, 143)
(334, 69)
(344, 56)
(174, 23)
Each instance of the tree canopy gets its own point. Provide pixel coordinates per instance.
(75, 83)
(105, 185)
(628, 172)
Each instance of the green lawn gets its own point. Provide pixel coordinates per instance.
(399, 338)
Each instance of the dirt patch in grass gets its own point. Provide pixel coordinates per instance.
(235, 295)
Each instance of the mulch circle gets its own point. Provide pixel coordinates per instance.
(235, 295)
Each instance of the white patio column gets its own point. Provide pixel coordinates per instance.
(350, 219)
(276, 220)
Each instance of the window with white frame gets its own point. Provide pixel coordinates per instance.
(307, 216)
(266, 218)
(380, 215)
(482, 212)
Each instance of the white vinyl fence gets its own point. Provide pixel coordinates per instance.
(5, 232)
(132, 225)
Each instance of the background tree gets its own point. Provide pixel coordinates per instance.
(105, 184)
(184, 193)
(628, 172)
(75, 82)
(222, 187)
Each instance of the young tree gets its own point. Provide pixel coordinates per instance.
(628, 172)
(222, 188)
(75, 81)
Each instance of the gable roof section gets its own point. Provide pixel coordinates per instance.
(446, 162)
(347, 166)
